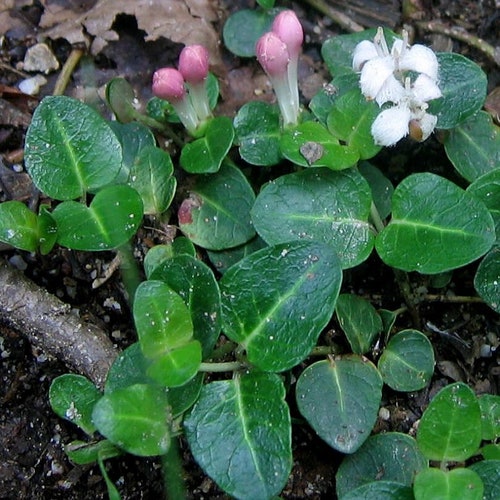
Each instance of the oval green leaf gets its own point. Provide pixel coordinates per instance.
(216, 215)
(487, 189)
(113, 217)
(490, 416)
(383, 457)
(239, 431)
(267, 306)
(407, 362)
(73, 397)
(205, 155)
(320, 205)
(359, 320)
(427, 233)
(450, 428)
(381, 490)
(135, 419)
(489, 472)
(448, 485)
(487, 279)
(18, 226)
(474, 146)
(340, 399)
(70, 149)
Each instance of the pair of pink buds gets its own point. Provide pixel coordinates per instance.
(278, 53)
(185, 88)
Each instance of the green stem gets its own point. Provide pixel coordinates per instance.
(173, 473)
(376, 219)
(163, 127)
(131, 275)
(325, 350)
(229, 366)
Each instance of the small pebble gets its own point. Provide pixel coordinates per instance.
(31, 86)
(39, 58)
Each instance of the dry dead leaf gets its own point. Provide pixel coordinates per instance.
(181, 21)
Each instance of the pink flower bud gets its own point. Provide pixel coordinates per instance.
(168, 84)
(272, 54)
(288, 28)
(193, 63)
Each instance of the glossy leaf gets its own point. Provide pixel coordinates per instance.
(160, 253)
(310, 144)
(18, 226)
(351, 120)
(216, 215)
(152, 177)
(267, 306)
(73, 397)
(47, 230)
(426, 225)
(239, 432)
(195, 282)
(407, 362)
(450, 428)
(389, 456)
(359, 320)
(161, 318)
(489, 472)
(319, 205)
(70, 149)
(490, 416)
(112, 218)
(340, 399)
(120, 97)
(381, 490)
(381, 188)
(474, 146)
(258, 133)
(463, 85)
(205, 155)
(491, 451)
(134, 418)
(487, 279)
(448, 485)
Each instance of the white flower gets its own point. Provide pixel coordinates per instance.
(385, 79)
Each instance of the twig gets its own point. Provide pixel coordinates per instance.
(67, 70)
(54, 326)
(336, 16)
(488, 50)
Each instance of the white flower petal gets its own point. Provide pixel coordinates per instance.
(397, 47)
(374, 74)
(363, 52)
(421, 59)
(391, 125)
(425, 88)
(391, 91)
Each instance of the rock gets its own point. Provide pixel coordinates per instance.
(39, 58)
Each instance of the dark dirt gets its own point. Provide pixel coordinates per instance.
(32, 461)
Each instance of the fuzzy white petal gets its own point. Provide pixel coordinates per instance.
(397, 47)
(374, 74)
(427, 124)
(391, 91)
(363, 52)
(421, 59)
(425, 88)
(391, 125)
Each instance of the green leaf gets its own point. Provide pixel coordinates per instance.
(217, 213)
(448, 485)
(135, 419)
(487, 279)
(177, 366)
(473, 146)
(359, 320)
(73, 397)
(450, 428)
(195, 282)
(351, 120)
(489, 472)
(160, 253)
(310, 144)
(120, 97)
(381, 490)
(205, 155)
(381, 187)
(267, 306)
(407, 363)
(82, 453)
(239, 431)
(426, 224)
(463, 85)
(340, 399)
(113, 493)
(47, 230)
(389, 456)
(18, 226)
(487, 189)
(161, 318)
(70, 149)
(490, 416)
(113, 217)
(491, 451)
(258, 133)
(321, 205)
(152, 177)
(243, 28)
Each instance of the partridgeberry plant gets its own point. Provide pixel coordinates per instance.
(255, 281)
